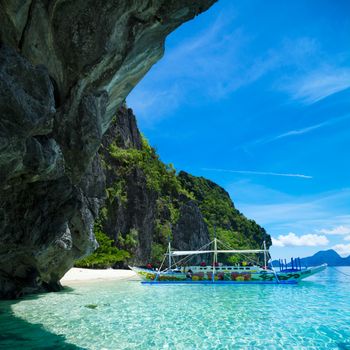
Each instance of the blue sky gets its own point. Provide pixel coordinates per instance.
(255, 95)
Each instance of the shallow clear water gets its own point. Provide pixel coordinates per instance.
(128, 315)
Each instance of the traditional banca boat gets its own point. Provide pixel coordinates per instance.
(245, 272)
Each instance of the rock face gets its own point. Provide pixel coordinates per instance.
(219, 212)
(142, 208)
(65, 68)
(190, 231)
(136, 207)
(145, 198)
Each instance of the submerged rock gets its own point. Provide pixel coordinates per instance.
(65, 68)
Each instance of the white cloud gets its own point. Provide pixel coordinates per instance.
(223, 64)
(284, 213)
(312, 127)
(216, 61)
(292, 240)
(151, 106)
(342, 249)
(319, 84)
(215, 52)
(259, 173)
(300, 131)
(339, 230)
(347, 238)
(297, 132)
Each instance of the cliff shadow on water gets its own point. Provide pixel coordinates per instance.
(17, 333)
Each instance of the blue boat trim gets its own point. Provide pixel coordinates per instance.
(294, 282)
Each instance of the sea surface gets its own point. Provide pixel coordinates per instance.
(128, 315)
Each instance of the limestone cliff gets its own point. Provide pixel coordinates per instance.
(65, 68)
(145, 197)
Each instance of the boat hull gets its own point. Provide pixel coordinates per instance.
(218, 282)
(224, 277)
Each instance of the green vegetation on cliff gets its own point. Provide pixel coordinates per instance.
(161, 183)
(147, 202)
(106, 255)
(232, 227)
(160, 177)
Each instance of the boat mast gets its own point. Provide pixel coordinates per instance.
(169, 255)
(265, 267)
(215, 259)
(169, 250)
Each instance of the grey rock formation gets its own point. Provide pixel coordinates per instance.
(145, 197)
(190, 231)
(65, 68)
(123, 130)
(140, 210)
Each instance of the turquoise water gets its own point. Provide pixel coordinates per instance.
(128, 315)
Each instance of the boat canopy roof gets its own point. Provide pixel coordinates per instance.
(231, 251)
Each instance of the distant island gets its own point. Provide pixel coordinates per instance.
(330, 257)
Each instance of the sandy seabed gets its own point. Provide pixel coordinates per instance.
(86, 275)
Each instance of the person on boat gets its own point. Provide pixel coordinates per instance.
(189, 274)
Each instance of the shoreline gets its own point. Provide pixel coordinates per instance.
(80, 275)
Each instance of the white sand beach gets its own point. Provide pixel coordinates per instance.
(86, 275)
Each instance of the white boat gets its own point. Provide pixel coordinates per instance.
(218, 273)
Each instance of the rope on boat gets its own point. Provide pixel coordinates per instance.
(160, 268)
(185, 259)
(246, 257)
(274, 271)
(346, 274)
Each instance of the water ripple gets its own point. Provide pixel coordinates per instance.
(128, 315)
